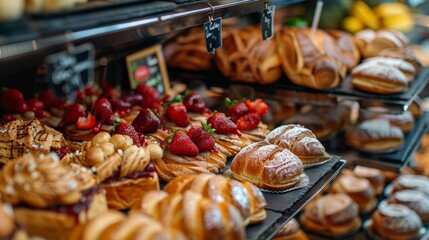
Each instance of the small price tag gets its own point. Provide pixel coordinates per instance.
(213, 34)
(268, 22)
(70, 70)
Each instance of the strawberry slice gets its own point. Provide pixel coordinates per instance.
(249, 121)
(222, 124)
(127, 129)
(203, 137)
(180, 144)
(147, 121)
(86, 123)
(177, 113)
(257, 106)
(12, 100)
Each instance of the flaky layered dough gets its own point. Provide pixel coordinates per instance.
(300, 141)
(114, 225)
(334, 214)
(314, 62)
(349, 52)
(267, 166)
(193, 214)
(18, 137)
(247, 198)
(75, 134)
(258, 134)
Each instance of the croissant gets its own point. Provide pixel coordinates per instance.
(197, 217)
(115, 225)
(247, 198)
(300, 141)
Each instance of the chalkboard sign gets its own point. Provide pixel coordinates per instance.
(213, 34)
(148, 66)
(268, 22)
(70, 70)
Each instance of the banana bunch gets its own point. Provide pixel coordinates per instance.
(393, 15)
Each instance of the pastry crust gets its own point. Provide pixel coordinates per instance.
(371, 43)
(413, 199)
(408, 181)
(374, 176)
(291, 231)
(406, 68)
(404, 121)
(349, 51)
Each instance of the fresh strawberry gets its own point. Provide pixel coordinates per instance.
(110, 93)
(73, 113)
(92, 91)
(118, 104)
(178, 114)
(103, 111)
(128, 129)
(249, 121)
(49, 99)
(194, 103)
(134, 99)
(257, 106)
(81, 96)
(147, 121)
(237, 111)
(202, 137)
(151, 98)
(12, 100)
(86, 123)
(35, 105)
(223, 125)
(180, 144)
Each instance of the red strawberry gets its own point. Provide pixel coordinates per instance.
(223, 125)
(110, 93)
(12, 100)
(35, 105)
(150, 95)
(180, 144)
(81, 96)
(91, 91)
(147, 121)
(103, 111)
(73, 113)
(118, 104)
(49, 99)
(249, 121)
(202, 137)
(86, 123)
(135, 99)
(237, 111)
(257, 106)
(194, 103)
(178, 114)
(128, 129)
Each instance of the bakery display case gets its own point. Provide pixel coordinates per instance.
(240, 171)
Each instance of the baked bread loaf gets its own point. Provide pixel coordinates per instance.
(349, 52)
(18, 137)
(395, 221)
(121, 167)
(378, 78)
(310, 61)
(371, 43)
(245, 57)
(9, 228)
(193, 214)
(332, 214)
(408, 181)
(11, 10)
(373, 175)
(48, 198)
(267, 166)
(406, 54)
(359, 189)
(404, 121)
(291, 231)
(247, 198)
(415, 200)
(300, 141)
(406, 68)
(375, 136)
(114, 225)
(188, 51)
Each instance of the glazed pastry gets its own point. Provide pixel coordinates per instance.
(395, 221)
(49, 199)
(359, 189)
(18, 137)
(247, 198)
(310, 61)
(9, 228)
(406, 68)
(375, 136)
(374, 176)
(121, 167)
(291, 231)
(349, 51)
(114, 225)
(378, 78)
(267, 166)
(415, 200)
(371, 43)
(193, 214)
(245, 57)
(332, 214)
(300, 141)
(408, 181)
(404, 121)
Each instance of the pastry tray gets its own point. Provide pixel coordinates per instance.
(393, 161)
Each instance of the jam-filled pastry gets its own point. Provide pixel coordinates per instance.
(10, 229)
(49, 199)
(121, 167)
(18, 137)
(247, 198)
(196, 216)
(191, 153)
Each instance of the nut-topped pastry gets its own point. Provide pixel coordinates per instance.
(47, 198)
(414, 199)
(300, 141)
(18, 137)
(122, 168)
(9, 228)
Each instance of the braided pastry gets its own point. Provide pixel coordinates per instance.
(247, 198)
(193, 215)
